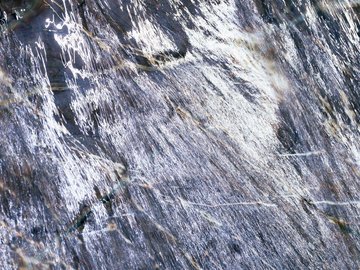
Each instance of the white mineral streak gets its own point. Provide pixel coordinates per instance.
(252, 127)
(215, 104)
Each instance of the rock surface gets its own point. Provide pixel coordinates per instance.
(183, 134)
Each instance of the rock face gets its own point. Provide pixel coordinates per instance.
(179, 134)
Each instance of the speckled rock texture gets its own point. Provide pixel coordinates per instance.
(179, 134)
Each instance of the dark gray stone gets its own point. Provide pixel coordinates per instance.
(179, 135)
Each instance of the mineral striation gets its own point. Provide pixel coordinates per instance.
(179, 134)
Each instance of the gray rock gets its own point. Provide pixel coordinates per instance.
(180, 135)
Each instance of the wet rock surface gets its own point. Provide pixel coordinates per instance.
(179, 134)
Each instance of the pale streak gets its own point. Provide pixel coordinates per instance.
(302, 154)
(355, 203)
(230, 204)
